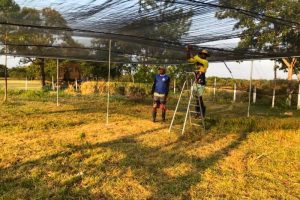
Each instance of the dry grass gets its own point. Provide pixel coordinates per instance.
(68, 152)
(20, 84)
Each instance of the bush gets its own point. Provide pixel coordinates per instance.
(120, 90)
(136, 92)
(70, 90)
(89, 87)
(34, 94)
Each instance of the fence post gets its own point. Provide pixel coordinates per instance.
(273, 98)
(274, 89)
(234, 93)
(57, 82)
(250, 88)
(108, 84)
(298, 105)
(76, 85)
(254, 94)
(174, 85)
(53, 86)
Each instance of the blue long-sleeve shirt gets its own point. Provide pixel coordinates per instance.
(161, 84)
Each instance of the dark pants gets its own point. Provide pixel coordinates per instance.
(199, 101)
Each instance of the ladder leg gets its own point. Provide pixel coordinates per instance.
(201, 113)
(187, 111)
(179, 99)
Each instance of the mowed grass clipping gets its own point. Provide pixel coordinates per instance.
(68, 152)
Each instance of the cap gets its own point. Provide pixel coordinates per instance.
(204, 51)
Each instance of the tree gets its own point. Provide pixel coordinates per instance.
(8, 9)
(265, 33)
(44, 37)
(2, 70)
(37, 39)
(169, 26)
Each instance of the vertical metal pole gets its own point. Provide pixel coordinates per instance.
(177, 105)
(5, 70)
(254, 94)
(250, 89)
(57, 81)
(174, 85)
(234, 93)
(108, 83)
(298, 105)
(76, 85)
(190, 117)
(215, 85)
(273, 98)
(274, 89)
(53, 86)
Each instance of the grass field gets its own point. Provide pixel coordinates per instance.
(21, 84)
(68, 152)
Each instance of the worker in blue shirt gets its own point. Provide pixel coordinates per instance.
(160, 90)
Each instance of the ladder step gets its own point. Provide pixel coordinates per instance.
(177, 128)
(195, 112)
(196, 124)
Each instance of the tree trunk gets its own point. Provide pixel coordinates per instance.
(290, 67)
(42, 72)
(290, 73)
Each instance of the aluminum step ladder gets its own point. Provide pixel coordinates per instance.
(188, 111)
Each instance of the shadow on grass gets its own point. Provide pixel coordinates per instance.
(147, 164)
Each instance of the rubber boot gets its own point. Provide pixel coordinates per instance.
(154, 116)
(163, 115)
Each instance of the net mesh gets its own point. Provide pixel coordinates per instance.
(142, 31)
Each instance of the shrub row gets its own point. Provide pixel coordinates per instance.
(128, 89)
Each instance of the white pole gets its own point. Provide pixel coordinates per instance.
(273, 98)
(298, 106)
(254, 94)
(57, 81)
(174, 85)
(5, 70)
(234, 93)
(274, 89)
(250, 89)
(215, 85)
(26, 84)
(53, 86)
(108, 83)
(76, 84)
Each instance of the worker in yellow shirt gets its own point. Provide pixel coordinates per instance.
(201, 64)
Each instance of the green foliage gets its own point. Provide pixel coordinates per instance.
(2, 70)
(18, 72)
(120, 90)
(136, 92)
(261, 32)
(82, 136)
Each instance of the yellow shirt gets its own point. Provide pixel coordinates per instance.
(204, 62)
